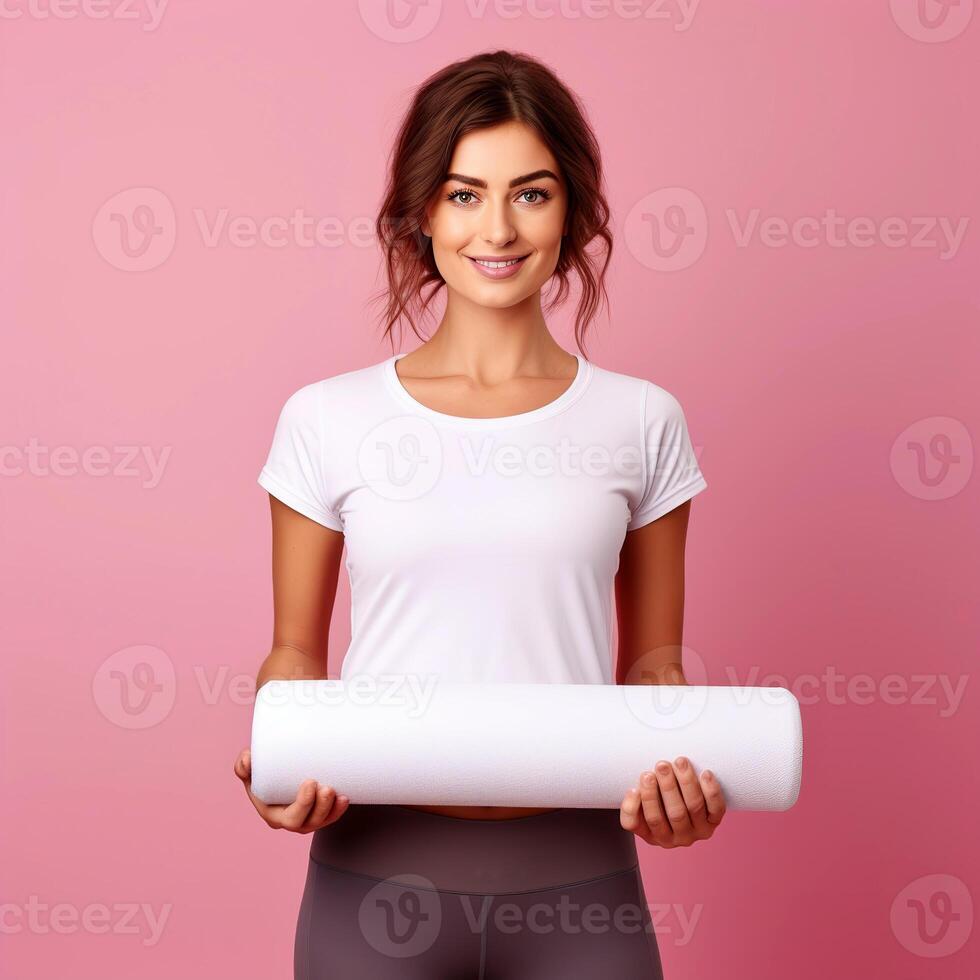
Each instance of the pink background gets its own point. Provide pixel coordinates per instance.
(815, 379)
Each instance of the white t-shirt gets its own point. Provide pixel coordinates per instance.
(482, 550)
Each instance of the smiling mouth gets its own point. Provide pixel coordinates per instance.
(497, 263)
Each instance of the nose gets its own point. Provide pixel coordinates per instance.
(498, 228)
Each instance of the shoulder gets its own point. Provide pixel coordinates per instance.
(647, 397)
(338, 391)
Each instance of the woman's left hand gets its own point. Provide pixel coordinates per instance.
(673, 807)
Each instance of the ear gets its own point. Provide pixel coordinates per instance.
(425, 227)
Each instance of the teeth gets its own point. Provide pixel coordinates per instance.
(496, 265)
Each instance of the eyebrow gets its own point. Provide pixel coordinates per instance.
(476, 182)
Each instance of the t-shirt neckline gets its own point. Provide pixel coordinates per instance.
(570, 395)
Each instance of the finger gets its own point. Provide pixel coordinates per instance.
(243, 769)
(325, 796)
(294, 816)
(269, 812)
(653, 810)
(691, 792)
(339, 809)
(674, 806)
(630, 817)
(714, 798)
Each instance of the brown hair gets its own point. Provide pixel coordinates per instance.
(482, 91)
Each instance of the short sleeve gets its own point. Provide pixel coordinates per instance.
(293, 471)
(671, 473)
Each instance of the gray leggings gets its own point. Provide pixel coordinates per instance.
(396, 892)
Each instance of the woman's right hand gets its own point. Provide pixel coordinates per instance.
(312, 809)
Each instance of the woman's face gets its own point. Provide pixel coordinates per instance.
(503, 200)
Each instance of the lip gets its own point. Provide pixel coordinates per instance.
(504, 272)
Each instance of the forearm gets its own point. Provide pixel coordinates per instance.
(291, 664)
(662, 667)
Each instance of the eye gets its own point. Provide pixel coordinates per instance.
(456, 197)
(538, 194)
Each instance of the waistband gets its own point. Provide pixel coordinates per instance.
(485, 857)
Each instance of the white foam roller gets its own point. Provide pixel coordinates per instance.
(413, 740)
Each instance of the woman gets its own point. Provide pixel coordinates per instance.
(480, 489)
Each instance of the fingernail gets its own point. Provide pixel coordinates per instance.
(342, 799)
(708, 774)
(648, 778)
(681, 762)
(663, 768)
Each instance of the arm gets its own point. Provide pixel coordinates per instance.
(672, 807)
(650, 579)
(305, 567)
(649, 589)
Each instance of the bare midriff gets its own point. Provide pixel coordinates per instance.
(483, 812)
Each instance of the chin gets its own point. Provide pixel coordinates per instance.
(490, 302)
